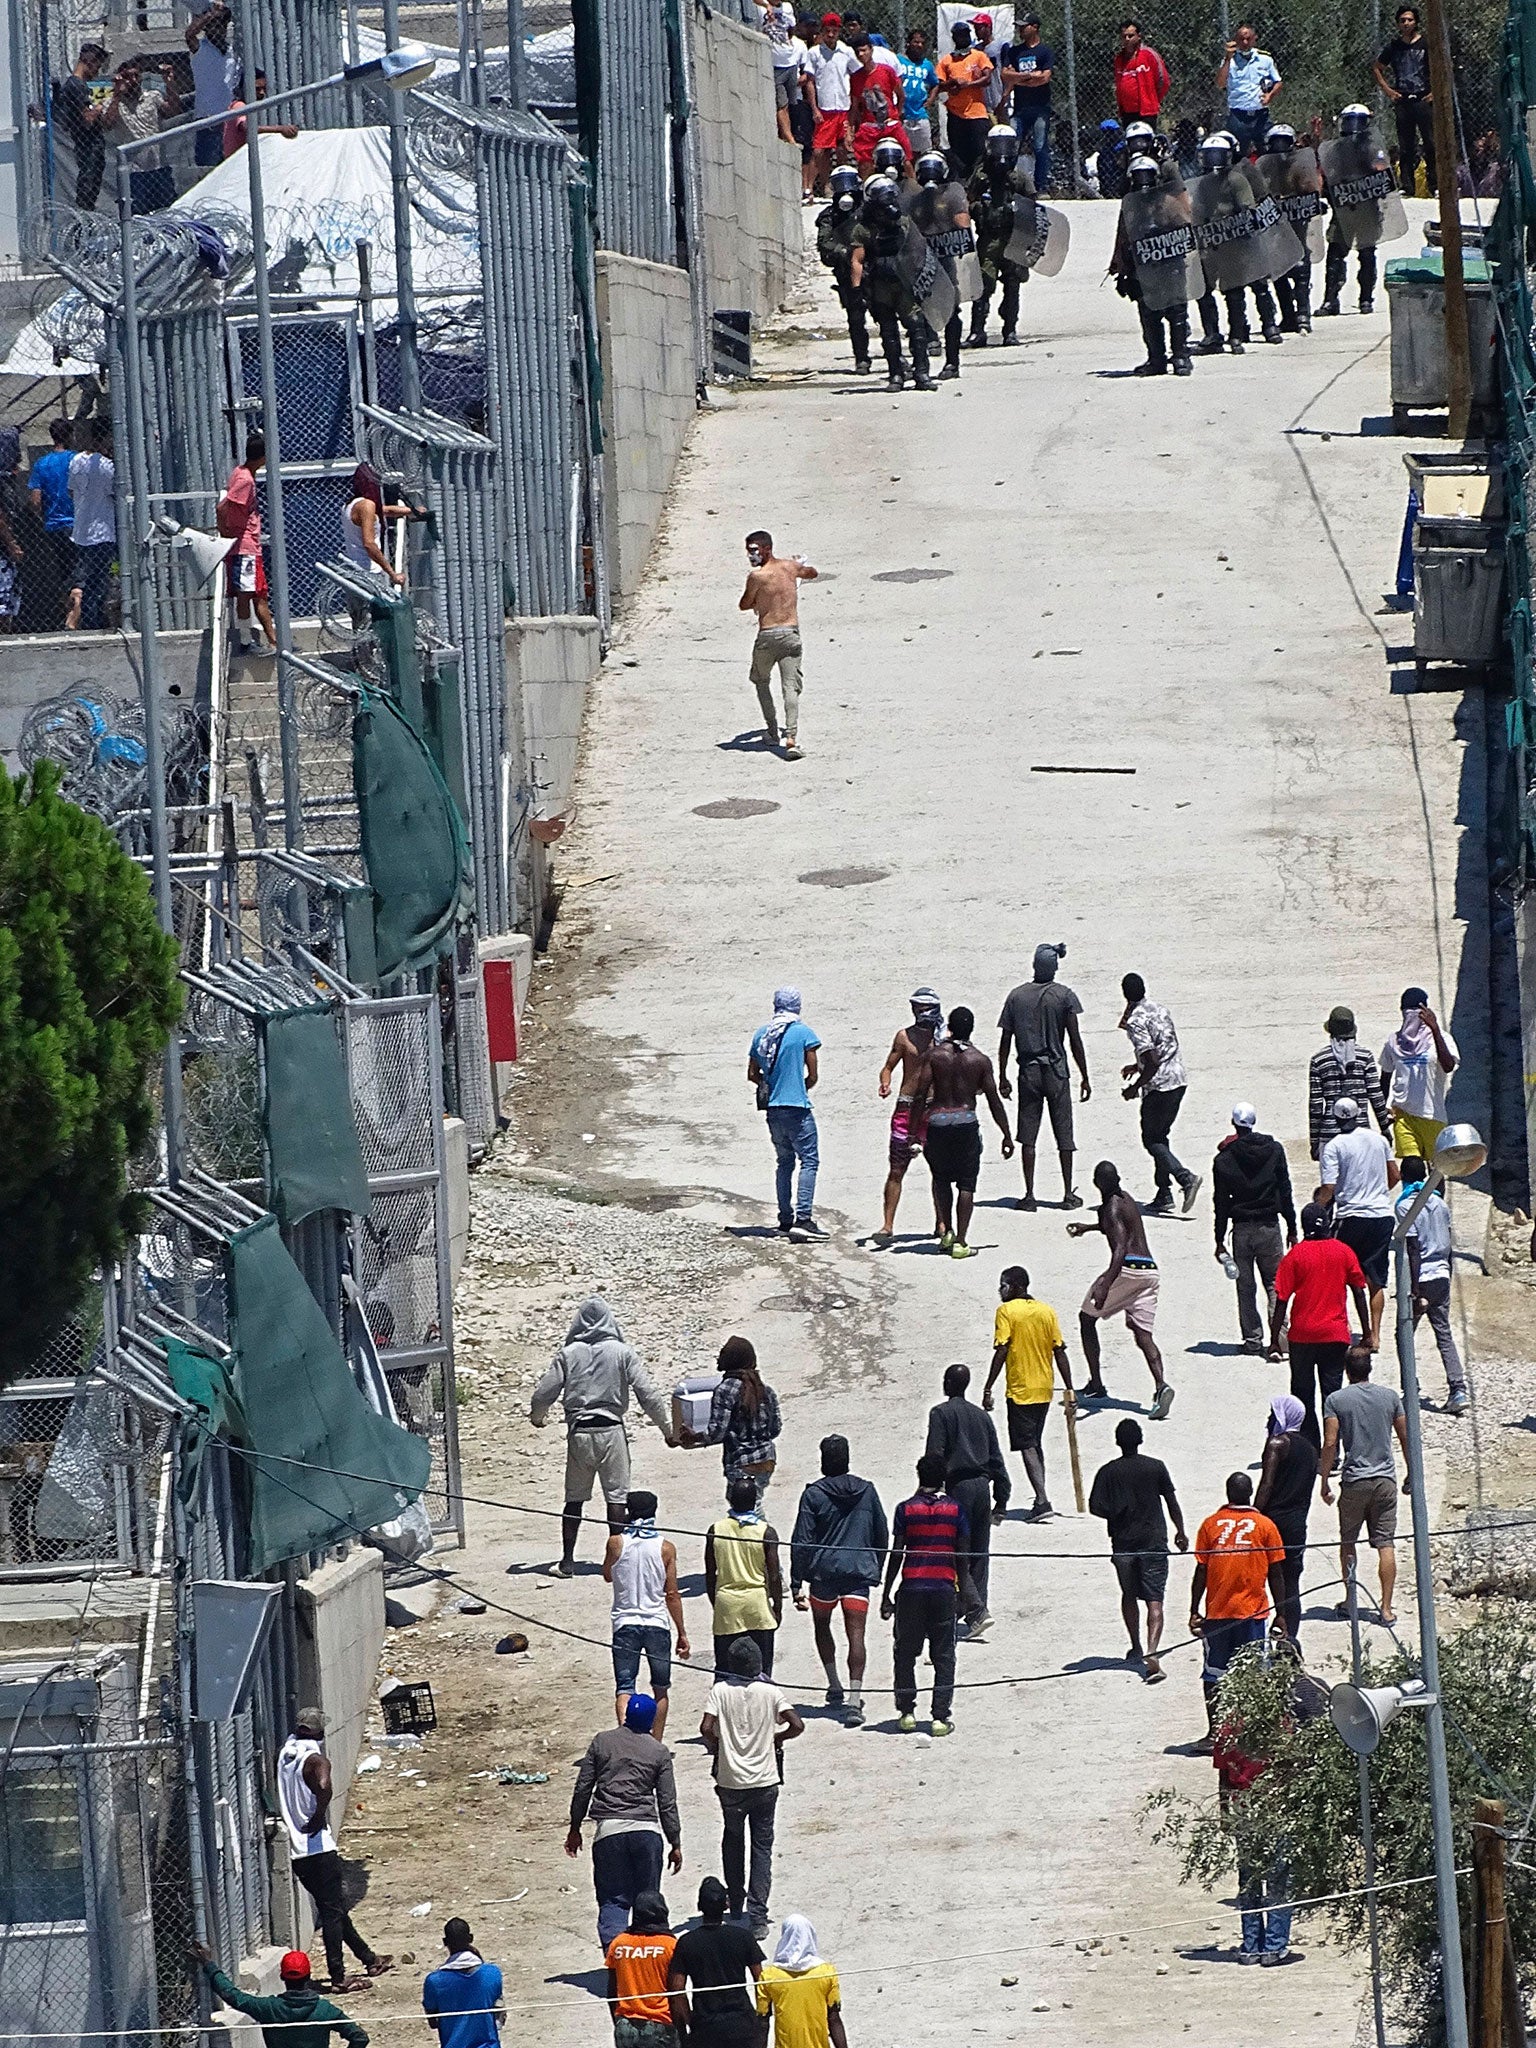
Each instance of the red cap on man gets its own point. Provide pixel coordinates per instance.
(980, 22)
(294, 1968)
(831, 21)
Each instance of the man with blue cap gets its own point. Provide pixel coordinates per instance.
(625, 1783)
(782, 1067)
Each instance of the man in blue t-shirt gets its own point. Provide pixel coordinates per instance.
(48, 484)
(462, 1998)
(919, 85)
(782, 1067)
(1027, 66)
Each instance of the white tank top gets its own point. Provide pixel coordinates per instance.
(639, 1584)
(352, 541)
(297, 1799)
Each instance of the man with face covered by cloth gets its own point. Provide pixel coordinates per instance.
(1243, 242)
(902, 283)
(1015, 234)
(942, 214)
(1293, 178)
(1364, 207)
(1154, 262)
(835, 226)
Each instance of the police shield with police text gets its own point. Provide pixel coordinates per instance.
(1155, 263)
(1364, 208)
(1293, 178)
(1015, 234)
(1242, 240)
(835, 226)
(903, 282)
(940, 212)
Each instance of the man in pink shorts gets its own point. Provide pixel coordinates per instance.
(909, 1048)
(1128, 1286)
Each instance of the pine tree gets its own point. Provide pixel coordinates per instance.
(88, 995)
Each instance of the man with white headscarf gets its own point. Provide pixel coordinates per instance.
(800, 1988)
(594, 1374)
(1417, 1061)
(781, 1066)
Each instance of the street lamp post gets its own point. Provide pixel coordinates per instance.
(1459, 1151)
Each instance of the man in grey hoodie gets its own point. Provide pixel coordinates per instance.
(593, 1374)
(838, 1549)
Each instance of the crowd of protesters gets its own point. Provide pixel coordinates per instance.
(840, 87)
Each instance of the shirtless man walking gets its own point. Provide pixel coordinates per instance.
(1127, 1286)
(773, 592)
(948, 1082)
(909, 1048)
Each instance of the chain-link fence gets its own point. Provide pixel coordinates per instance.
(401, 1248)
(96, 1924)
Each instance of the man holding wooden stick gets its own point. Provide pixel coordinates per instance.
(1027, 1341)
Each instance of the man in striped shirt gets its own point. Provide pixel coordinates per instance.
(927, 1539)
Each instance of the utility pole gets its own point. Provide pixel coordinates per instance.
(1458, 356)
(1492, 1929)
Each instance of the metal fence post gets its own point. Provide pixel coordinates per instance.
(1069, 35)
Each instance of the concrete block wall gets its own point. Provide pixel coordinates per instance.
(751, 178)
(644, 320)
(341, 1637)
(38, 666)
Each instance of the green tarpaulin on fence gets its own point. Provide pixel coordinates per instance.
(205, 1382)
(413, 838)
(307, 1424)
(313, 1158)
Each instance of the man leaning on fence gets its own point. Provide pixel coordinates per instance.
(298, 2017)
(304, 1795)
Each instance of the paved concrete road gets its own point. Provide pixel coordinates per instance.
(1181, 579)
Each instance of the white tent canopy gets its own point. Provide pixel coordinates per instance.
(323, 191)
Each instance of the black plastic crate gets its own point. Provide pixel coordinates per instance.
(408, 1709)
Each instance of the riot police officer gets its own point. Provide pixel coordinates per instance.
(835, 226)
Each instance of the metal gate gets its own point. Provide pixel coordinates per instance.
(401, 1252)
(319, 387)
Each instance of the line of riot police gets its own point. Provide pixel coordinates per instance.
(914, 250)
(1249, 227)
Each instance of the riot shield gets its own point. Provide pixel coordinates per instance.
(1159, 230)
(924, 278)
(1362, 195)
(936, 212)
(1038, 237)
(1295, 182)
(1238, 231)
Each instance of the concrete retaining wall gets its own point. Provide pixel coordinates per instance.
(752, 232)
(341, 1636)
(645, 327)
(35, 667)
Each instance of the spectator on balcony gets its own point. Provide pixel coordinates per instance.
(83, 114)
(215, 80)
(232, 134)
(51, 558)
(135, 116)
(93, 494)
(12, 502)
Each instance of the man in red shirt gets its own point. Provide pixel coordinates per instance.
(239, 520)
(1141, 76)
(1316, 1277)
(1238, 1558)
(875, 89)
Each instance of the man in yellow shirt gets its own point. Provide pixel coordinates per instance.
(800, 1988)
(1027, 1340)
(743, 1578)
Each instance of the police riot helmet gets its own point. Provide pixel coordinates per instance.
(1001, 148)
(1280, 140)
(889, 156)
(843, 185)
(933, 168)
(882, 204)
(1355, 120)
(1140, 138)
(1143, 173)
(1216, 151)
